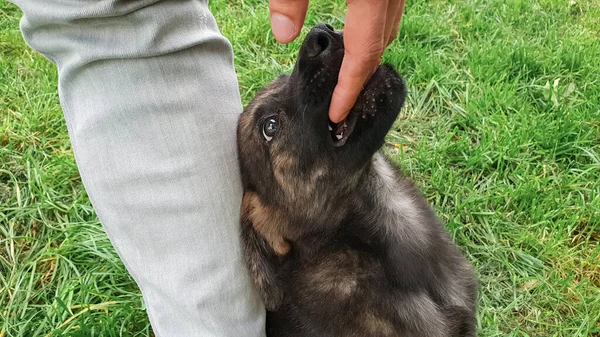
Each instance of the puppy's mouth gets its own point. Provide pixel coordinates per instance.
(315, 77)
(340, 132)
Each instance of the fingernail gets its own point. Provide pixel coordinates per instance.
(283, 28)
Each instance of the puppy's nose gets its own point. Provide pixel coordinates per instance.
(327, 26)
(319, 39)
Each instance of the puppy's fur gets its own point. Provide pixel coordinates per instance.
(337, 241)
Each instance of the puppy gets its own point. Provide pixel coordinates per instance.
(336, 240)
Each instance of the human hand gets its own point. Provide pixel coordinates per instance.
(371, 25)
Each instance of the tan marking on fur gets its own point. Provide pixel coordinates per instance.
(377, 326)
(283, 164)
(267, 222)
(337, 273)
(284, 161)
(340, 283)
(300, 191)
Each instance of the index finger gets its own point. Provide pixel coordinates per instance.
(363, 40)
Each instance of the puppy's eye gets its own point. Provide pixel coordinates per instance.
(270, 128)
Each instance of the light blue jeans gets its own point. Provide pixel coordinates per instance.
(151, 100)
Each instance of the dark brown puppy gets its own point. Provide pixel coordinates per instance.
(337, 242)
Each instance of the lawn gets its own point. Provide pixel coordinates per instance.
(501, 131)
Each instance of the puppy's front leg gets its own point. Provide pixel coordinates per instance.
(262, 252)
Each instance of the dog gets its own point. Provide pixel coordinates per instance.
(336, 240)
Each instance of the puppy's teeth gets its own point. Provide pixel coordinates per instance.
(340, 136)
(330, 128)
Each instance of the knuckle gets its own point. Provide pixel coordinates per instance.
(371, 50)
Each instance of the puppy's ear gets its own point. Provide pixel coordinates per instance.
(261, 259)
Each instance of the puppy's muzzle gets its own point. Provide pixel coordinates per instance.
(321, 42)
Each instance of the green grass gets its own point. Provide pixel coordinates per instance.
(501, 131)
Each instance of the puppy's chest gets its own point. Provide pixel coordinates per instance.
(332, 277)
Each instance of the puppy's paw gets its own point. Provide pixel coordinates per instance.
(262, 263)
(272, 298)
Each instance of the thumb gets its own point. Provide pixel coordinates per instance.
(287, 18)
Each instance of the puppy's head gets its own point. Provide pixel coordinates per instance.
(291, 154)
